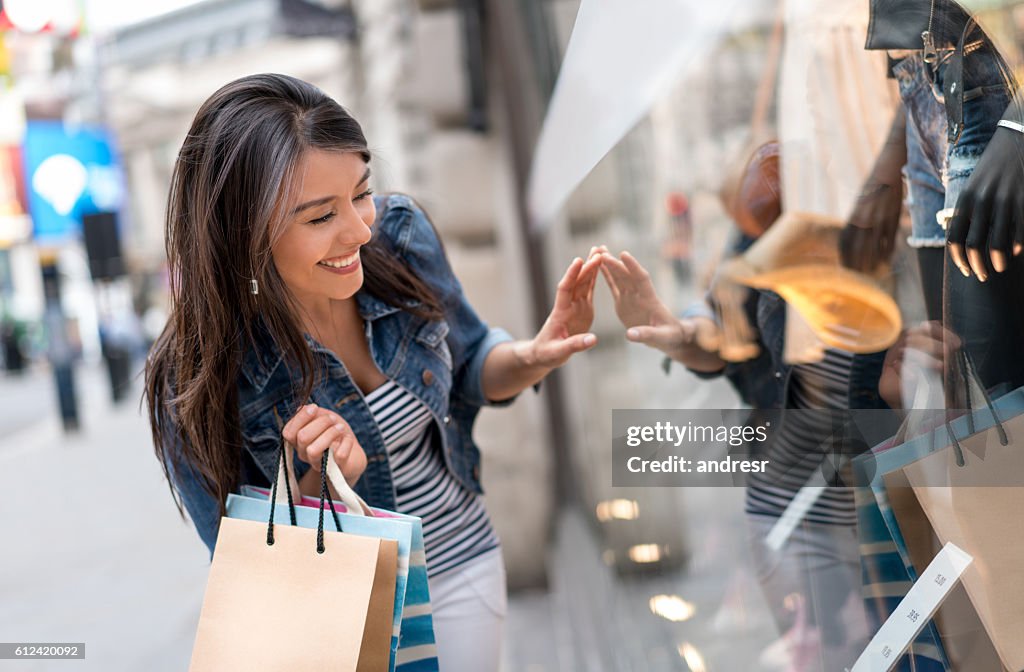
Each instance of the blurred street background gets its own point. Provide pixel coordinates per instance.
(95, 98)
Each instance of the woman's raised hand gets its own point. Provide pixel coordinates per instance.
(314, 430)
(567, 329)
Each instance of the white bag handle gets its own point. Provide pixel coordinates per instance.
(353, 502)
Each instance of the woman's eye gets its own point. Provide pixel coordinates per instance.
(365, 194)
(322, 220)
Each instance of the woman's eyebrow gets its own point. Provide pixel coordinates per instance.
(311, 204)
(320, 201)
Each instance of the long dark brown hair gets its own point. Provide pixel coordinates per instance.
(225, 210)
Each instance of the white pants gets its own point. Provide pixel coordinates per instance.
(469, 605)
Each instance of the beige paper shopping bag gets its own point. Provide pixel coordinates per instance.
(977, 505)
(963, 636)
(286, 607)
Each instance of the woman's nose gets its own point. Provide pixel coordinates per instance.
(354, 231)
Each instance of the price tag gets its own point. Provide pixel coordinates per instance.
(923, 598)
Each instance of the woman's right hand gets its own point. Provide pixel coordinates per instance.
(314, 430)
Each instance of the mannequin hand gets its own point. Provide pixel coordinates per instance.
(990, 213)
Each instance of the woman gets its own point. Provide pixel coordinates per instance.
(308, 310)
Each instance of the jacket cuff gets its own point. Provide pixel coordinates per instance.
(474, 392)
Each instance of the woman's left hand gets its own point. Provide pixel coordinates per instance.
(566, 331)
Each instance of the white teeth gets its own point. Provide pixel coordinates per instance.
(347, 261)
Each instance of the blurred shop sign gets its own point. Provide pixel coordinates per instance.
(70, 173)
(64, 17)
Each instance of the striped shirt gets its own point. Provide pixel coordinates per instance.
(797, 453)
(456, 527)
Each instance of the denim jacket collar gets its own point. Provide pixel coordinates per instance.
(263, 357)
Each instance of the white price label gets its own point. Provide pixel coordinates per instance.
(923, 598)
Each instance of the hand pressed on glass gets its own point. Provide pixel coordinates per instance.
(693, 341)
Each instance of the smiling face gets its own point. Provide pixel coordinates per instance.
(327, 222)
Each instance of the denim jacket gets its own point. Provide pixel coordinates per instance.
(440, 362)
(762, 382)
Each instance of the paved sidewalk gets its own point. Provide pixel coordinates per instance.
(94, 549)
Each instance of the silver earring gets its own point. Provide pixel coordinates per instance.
(253, 287)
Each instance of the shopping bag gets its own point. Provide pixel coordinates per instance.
(972, 491)
(887, 565)
(413, 645)
(898, 542)
(887, 575)
(283, 597)
(963, 637)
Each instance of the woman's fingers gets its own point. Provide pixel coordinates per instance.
(305, 415)
(556, 352)
(610, 279)
(585, 280)
(595, 255)
(329, 431)
(350, 458)
(618, 270)
(633, 266)
(564, 291)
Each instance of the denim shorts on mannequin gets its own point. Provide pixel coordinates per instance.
(926, 152)
(937, 171)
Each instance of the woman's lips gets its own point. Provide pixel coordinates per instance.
(344, 270)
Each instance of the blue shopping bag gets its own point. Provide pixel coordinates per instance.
(413, 647)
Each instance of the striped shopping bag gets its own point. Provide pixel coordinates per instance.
(413, 646)
(886, 566)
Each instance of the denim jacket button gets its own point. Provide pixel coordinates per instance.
(447, 419)
(428, 377)
(778, 374)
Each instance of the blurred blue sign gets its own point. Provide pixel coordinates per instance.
(69, 173)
